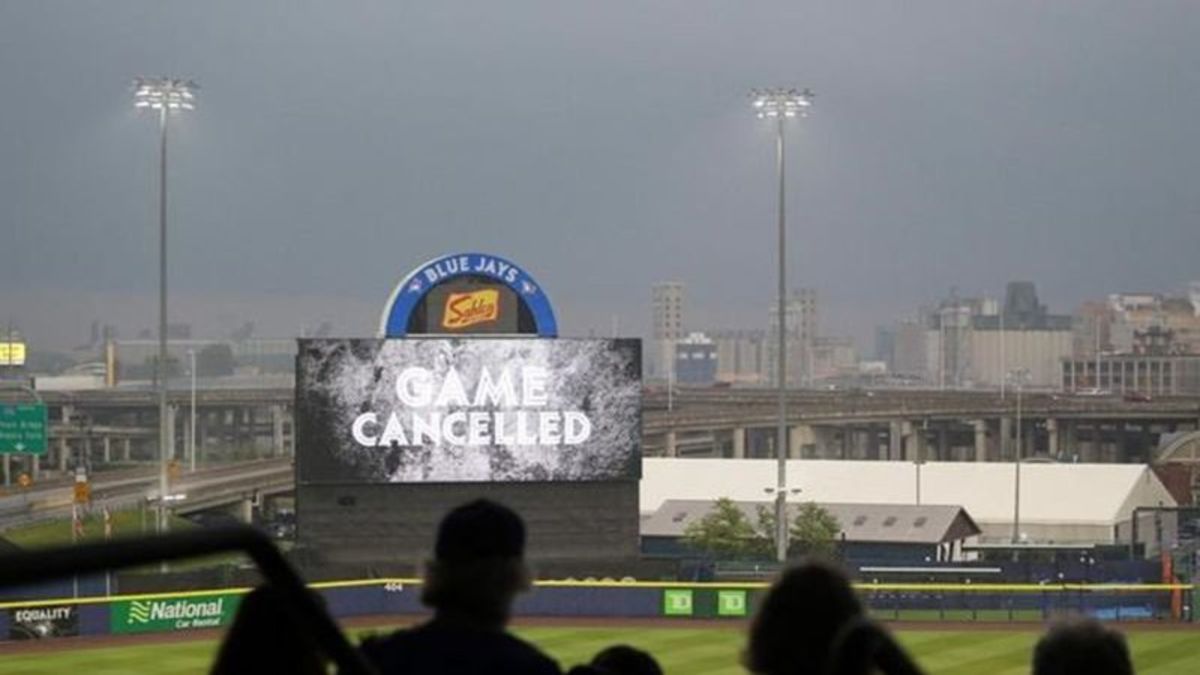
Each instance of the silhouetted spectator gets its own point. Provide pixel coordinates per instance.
(625, 660)
(1082, 646)
(264, 638)
(795, 626)
(477, 572)
(864, 647)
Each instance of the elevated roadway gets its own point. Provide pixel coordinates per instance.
(206, 489)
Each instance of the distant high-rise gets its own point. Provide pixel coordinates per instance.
(741, 356)
(973, 342)
(801, 311)
(667, 310)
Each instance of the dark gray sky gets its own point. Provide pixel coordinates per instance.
(604, 146)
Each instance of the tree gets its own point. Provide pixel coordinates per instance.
(814, 530)
(725, 532)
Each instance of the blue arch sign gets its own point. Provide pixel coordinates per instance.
(407, 294)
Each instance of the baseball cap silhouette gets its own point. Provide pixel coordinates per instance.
(479, 530)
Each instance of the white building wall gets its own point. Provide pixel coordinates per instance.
(1040, 352)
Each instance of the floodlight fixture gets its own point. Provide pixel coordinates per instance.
(164, 93)
(781, 103)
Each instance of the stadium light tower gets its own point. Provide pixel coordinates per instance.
(779, 105)
(165, 96)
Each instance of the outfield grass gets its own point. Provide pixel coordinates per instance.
(682, 651)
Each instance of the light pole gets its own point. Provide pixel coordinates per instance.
(192, 420)
(1018, 378)
(165, 96)
(779, 105)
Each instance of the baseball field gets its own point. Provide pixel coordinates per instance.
(709, 649)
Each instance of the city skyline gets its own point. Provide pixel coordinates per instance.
(937, 157)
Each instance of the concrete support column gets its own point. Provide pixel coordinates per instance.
(669, 448)
(799, 436)
(1052, 436)
(1070, 444)
(277, 431)
(911, 442)
(107, 441)
(1094, 451)
(895, 440)
(1005, 452)
(37, 467)
(739, 442)
(126, 448)
(246, 511)
(64, 445)
(290, 418)
(980, 440)
(172, 415)
(8, 469)
(87, 449)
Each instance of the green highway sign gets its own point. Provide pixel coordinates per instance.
(23, 428)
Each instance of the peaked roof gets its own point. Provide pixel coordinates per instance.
(1085, 494)
(892, 523)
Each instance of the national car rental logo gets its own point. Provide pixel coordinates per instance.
(468, 309)
(139, 612)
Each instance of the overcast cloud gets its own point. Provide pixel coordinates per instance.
(604, 146)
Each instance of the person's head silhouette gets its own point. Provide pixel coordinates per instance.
(478, 566)
(798, 620)
(625, 660)
(1082, 646)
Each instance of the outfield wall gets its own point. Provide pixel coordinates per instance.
(171, 612)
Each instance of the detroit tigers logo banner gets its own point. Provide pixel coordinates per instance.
(449, 410)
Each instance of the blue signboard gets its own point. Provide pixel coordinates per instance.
(409, 293)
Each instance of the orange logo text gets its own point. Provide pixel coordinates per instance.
(469, 309)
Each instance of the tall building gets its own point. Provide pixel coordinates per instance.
(696, 360)
(975, 343)
(908, 354)
(1142, 321)
(667, 310)
(1093, 330)
(801, 318)
(834, 357)
(741, 356)
(885, 345)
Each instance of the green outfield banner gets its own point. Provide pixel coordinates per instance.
(677, 602)
(732, 603)
(169, 614)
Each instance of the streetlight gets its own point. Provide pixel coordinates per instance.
(192, 421)
(1018, 377)
(779, 104)
(165, 96)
